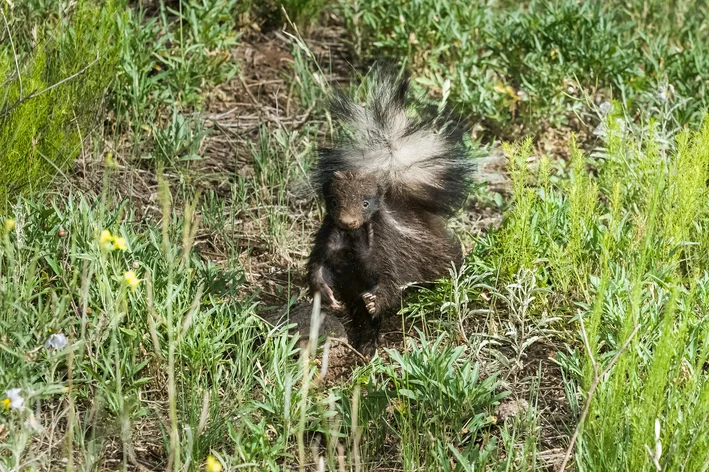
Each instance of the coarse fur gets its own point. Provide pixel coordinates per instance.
(388, 189)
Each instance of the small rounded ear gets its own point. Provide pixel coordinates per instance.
(339, 174)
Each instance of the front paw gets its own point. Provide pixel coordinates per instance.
(328, 298)
(336, 305)
(318, 284)
(370, 302)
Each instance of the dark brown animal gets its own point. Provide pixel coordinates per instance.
(389, 184)
(367, 251)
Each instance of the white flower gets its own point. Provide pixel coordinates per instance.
(605, 108)
(15, 400)
(664, 91)
(56, 341)
(600, 130)
(662, 94)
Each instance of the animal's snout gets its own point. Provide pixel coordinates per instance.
(349, 222)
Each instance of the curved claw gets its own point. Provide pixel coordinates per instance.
(317, 283)
(335, 305)
(370, 302)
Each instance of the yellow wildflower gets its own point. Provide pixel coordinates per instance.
(131, 279)
(5, 404)
(507, 90)
(110, 162)
(213, 465)
(105, 238)
(9, 224)
(110, 242)
(119, 243)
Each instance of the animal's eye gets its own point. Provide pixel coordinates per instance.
(365, 203)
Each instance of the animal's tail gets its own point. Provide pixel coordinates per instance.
(418, 160)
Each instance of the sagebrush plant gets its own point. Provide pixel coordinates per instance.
(439, 394)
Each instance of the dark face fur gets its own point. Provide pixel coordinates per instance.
(352, 198)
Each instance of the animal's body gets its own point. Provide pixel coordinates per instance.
(389, 188)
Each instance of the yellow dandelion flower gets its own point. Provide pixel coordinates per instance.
(131, 279)
(119, 243)
(507, 90)
(105, 237)
(9, 224)
(213, 464)
(5, 404)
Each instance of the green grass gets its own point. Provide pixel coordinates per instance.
(169, 60)
(585, 311)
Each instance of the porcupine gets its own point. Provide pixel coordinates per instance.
(390, 183)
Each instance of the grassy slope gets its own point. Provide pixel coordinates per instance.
(180, 367)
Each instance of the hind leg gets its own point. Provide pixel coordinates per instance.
(364, 330)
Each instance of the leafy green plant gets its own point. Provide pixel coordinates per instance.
(179, 141)
(440, 405)
(167, 61)
(626, 252)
